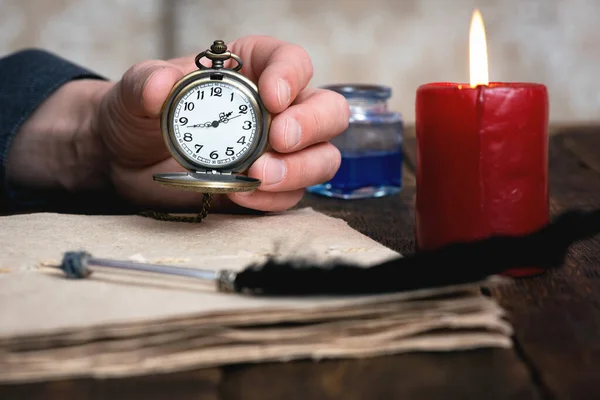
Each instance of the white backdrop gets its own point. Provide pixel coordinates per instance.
(401, 43)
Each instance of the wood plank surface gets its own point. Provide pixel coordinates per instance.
(480, 374)
(557, 316)
(196, 385)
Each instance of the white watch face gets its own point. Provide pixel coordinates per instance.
(214, 124)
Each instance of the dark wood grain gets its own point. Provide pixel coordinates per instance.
(202, 385)
(584, 143)
(480, 374)
(388, 220)
(557, 316)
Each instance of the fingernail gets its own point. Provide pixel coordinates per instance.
(283, 92)
(273, 171)
(292, 133)
(245, 194)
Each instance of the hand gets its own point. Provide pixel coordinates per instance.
(299, 155)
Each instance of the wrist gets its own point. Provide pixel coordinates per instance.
(56, 148)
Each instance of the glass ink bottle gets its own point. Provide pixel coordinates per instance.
(371, 147)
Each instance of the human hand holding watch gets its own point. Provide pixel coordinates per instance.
(107, 134)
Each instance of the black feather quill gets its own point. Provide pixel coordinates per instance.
(453, 264)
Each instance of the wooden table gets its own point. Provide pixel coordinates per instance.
(556, 316)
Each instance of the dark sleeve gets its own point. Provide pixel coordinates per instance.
(27, 78)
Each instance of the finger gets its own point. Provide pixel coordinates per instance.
(285, 172)
(281, 69)
(319, 116)
(267, 201)
(145, 86)
(138, 187)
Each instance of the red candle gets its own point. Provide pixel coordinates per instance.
(482, 162)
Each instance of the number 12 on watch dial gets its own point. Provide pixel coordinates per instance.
(214, 124)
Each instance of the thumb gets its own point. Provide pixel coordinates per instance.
(146, 85)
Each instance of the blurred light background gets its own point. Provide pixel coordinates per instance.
(400, 43)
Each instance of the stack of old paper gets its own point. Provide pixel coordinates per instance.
(129, 323)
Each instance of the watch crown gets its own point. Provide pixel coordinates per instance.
(218, 47)
(218, 54)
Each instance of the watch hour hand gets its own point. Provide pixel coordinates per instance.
(204, 125)
(224, 116)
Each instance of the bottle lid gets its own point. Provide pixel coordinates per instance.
(380, 92)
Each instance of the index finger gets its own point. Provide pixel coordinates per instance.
(281, 70)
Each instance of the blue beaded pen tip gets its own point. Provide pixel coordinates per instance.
(75, 264)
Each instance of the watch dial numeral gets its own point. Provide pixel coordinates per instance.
(215, 125)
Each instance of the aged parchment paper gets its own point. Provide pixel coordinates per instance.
(118, 324)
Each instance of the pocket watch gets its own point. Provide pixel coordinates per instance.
(215, 126)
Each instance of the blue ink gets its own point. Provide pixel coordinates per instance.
(364, 175)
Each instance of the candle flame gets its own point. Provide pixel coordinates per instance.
(478, 58)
